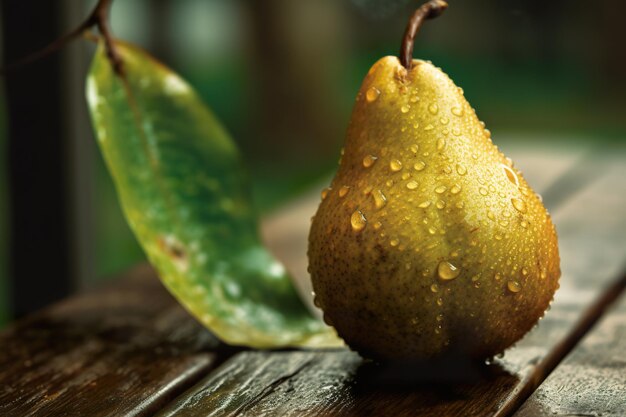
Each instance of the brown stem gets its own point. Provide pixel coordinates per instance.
(99, 17)
(426, 11)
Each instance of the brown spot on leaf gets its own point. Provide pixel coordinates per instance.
(174, 249)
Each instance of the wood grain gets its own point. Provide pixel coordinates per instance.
(339, 383)
(591, 381)
(124, 350)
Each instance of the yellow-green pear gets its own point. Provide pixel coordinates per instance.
(429, 242)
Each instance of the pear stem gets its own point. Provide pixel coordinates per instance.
(99, 18)
(428, 10)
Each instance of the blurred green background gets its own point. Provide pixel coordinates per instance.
(282, 76)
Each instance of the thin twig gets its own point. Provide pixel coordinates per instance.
(426, 11)
(99, 18)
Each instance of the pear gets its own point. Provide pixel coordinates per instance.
(429, 243)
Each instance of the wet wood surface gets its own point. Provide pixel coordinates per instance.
(124, 350)
(129, 349)
(591, 381)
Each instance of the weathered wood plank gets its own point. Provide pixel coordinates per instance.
(591, 381)
(123, 350)
(593, 248)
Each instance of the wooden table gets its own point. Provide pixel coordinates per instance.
(130, 349)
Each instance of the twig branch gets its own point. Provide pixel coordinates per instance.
(99, 18)
(426, 11)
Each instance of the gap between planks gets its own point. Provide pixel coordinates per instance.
(591, 381)
(126, 349)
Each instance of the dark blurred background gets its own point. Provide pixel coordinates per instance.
(282, 76)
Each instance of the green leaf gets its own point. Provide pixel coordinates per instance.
(185, 194)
